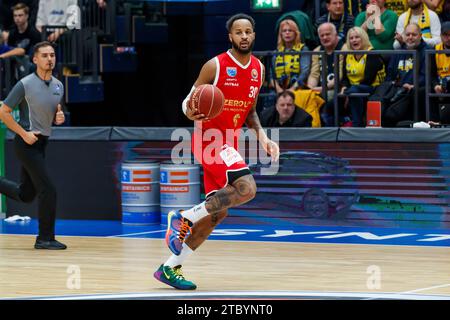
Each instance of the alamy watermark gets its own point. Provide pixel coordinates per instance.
(374, 280)
(212, 146)
(74, 279)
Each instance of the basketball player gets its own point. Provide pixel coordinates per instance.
(227, 180)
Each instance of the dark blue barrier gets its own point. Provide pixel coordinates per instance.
(435, 135)
(394, 177)
(379, 52)
(269, 71)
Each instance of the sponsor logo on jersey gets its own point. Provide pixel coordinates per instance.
(254, 74)
(231, 84)
(231, 71)
(237, 103)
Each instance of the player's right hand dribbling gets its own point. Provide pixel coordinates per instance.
(192, 113)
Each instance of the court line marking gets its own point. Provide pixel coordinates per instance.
(58, 235)
(134, 234)
(429, 288)
(417, 290)
(248, 294)
(252, 241)
(427, 245)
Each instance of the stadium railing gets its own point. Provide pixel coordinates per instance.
(267, 56)
(429, 92)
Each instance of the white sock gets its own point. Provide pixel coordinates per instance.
(175, 260)
(195, 213)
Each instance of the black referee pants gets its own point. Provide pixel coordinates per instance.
(34, 181)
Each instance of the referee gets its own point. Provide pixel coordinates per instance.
(38, 97)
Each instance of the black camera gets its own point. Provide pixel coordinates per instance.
(286, 82)
(294, 79)
(399, 94)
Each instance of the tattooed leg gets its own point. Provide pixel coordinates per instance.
(203, 228)
(240, 192)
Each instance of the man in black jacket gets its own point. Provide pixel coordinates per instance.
(6, 16)
(285, 113)
(21, 39)
(400, 68)
(397, 92)
(337, 16)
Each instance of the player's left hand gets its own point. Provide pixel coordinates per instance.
(193, 114)
(59, 118)
(272, 149)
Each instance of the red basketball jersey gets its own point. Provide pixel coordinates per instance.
(240, 86)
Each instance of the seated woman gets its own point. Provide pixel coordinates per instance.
(362, 74)
(290, 68)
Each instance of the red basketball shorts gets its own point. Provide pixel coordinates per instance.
(221, 166)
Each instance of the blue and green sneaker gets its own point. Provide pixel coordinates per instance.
(173, 277)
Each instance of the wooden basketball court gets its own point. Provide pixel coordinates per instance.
(125, 266)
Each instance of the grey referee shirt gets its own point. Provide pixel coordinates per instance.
(37, 100)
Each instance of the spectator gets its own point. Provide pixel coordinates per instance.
(445, 15)
(337, 16)
(53, 13)
(309, 8)
(329, 42)
(355, 7)
(398, 6)
(23, 36)
(362, 73)
(291, 68)
(3, 47)
(435, 5)
(397, 92)
(351, 7)
(380, 28)
(285, 113)
(6, 18)
(440, 71)
(101, 4)
(304, 23)
(426, 19)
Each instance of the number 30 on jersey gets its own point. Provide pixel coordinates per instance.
(253, 92)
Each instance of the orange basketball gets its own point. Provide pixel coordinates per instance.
(208, 99)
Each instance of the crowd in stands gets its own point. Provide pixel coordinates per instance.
(28, 20)
(305, 54)
(23, 23)
(349, 26)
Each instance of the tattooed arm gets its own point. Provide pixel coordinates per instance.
(254, 124)
(269, 146)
